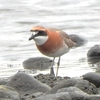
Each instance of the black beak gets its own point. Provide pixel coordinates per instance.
(32, 37)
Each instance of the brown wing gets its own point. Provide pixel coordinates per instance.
(67, 40)
(65, 37)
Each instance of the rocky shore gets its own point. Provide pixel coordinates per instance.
(23, 86)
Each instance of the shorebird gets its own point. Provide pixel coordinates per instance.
(51, 42)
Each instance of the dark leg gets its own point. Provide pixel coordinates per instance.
(52, 69)
(58, 66)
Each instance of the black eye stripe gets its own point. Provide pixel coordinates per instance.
(42, 33)
(39, 33)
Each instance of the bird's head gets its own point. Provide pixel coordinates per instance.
(39, 35)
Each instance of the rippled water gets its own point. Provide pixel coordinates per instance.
(17, 17)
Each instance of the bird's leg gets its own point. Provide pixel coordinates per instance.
(52, 69)
(58, 63)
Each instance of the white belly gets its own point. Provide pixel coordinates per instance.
(59, 52)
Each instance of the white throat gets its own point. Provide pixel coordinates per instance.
(40, 40)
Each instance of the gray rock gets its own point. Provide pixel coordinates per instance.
(37, 63)
(86, 86)
(78, 40)
(94, 54)
(81, 84)
(3, 81)
(25, 84)
(92, 97)
(93, 77)
(8, 93)
(5, 99)
(72, 89)
(75, 95)
(56, 96)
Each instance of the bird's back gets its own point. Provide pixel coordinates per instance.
(64, 36)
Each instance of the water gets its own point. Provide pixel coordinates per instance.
(74, 17)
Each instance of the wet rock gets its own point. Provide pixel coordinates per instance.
(37, 63)
(56, 96)
(93, 97)
(25, 84)
(78, 40)
(84, 85)
(94, 54)
(50, 79)
(72, 95)
(8, 93)
(71, 89)
(68, 96)
(3, 81)
(93, 77)
(76, 96)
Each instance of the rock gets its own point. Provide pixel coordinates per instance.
(78, 40)
(68, 96)
(93, 77)
(93, 97)
(71, 89)
(49, 79)
(77, 94)
(72, 95)
(25, 84)
(56, 96)
(3, 81)
(84, 85)
(94, 54)
(8, 93)
(37, 63)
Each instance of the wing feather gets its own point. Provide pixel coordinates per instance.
(65, 37)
